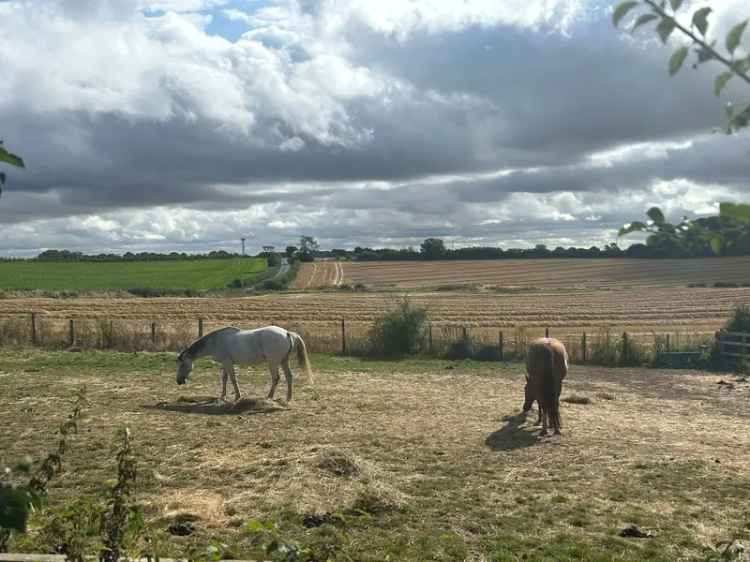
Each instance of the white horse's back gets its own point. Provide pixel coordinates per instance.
(269, 343)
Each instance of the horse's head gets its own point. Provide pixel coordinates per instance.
(184, 366)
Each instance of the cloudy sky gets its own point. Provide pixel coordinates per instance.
(186, 124)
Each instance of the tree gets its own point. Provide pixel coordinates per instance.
(308, 245)
(290, 251)
(8, 158)
(705, 49)
(307, 248)
(432, 248)
(725, 234)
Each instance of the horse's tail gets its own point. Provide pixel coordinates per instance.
(550, 389)
(302, 358)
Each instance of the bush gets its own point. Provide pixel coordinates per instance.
(399, 332)
(487, 353)
(740, 320)
(461, 349)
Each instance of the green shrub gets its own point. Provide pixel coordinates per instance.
(740, 320)
(487, 352)
(400, 331)
(461, 349)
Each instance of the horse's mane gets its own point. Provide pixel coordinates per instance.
(200, 343)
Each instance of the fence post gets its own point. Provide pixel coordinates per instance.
(200, 327)
(718, 344)
(546, 332)
(500, 345)
(153, 333)
(625, 348)
(343, 337)
(584, 347)
(33, 329)
(71, 332)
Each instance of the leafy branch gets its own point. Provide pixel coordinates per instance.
(718, 234)
(705, 49)
(17, 501)
(8, 158)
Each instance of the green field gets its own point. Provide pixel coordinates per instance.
(197, 275)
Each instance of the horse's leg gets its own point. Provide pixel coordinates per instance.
(233, 377)
(288, 376)
(224, 377)
(274, 380)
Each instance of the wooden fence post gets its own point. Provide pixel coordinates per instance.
(33, 329)
(500, 345)
(343, 337)
(546, 332)
(584, 347)
(200, 327)
(71, 332)
(153, 333)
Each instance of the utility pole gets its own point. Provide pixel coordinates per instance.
(243, 245)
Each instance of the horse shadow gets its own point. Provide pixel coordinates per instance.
(210, 405)
(513, 435)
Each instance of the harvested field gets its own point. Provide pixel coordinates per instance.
(318, 315)
(416, 460)
(544, 273)
(320, 273)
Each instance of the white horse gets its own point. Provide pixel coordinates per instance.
(230, 346)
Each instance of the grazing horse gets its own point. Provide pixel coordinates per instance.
(546, 367)
(230, 346)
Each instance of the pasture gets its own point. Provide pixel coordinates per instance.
(596, 274)
(196, 275)
(413, 460)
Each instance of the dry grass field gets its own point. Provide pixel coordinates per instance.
(415, 460)
(318, 315)
(548, 273)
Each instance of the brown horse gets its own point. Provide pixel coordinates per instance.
(546, 367)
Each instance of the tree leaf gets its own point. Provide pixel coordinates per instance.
(704, 54)
(676, 60)
(675, 4)
(700, 19)
(636, 226)
(10, 158)
(735, 36)
(721, 81)
(737, 211)
(643, 20)
(655, 214)
(716, 243)
(14, 508)
(622, 10)
(665, 28)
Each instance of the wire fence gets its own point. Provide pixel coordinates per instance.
(600, 346)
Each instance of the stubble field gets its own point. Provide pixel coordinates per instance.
(416, 460)
(318, 315)
(596, 274)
